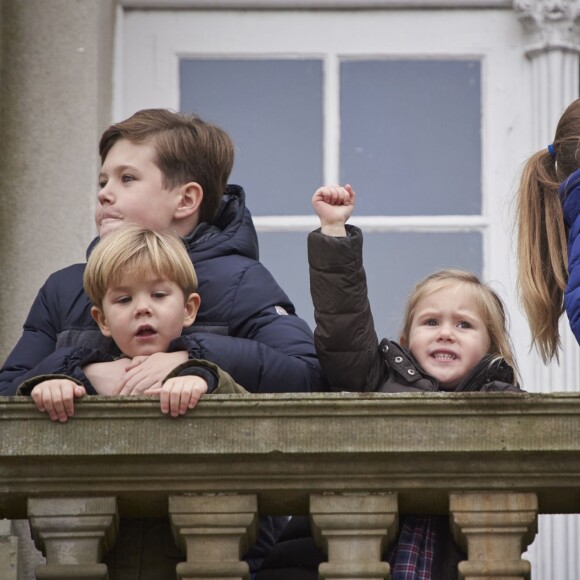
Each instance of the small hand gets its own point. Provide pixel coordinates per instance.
(56, 397)
(179, 394)
(334, 205)
(148, 372)
(106, 376)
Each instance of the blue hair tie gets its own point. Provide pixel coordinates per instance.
(552, 150)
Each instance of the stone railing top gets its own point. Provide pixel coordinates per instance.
(284, 447)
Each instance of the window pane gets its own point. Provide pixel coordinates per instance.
(273, 111)
(394, 262)
(411, 136)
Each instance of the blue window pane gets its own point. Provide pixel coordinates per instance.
(411, 136)
(394, 263)
(273, 111)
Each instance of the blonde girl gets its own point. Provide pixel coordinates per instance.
(454, 339)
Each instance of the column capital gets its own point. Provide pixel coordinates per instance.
(551, 24)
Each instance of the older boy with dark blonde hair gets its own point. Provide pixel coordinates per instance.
(165, 170)
(161, 170)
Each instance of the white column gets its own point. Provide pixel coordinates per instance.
(553, 33)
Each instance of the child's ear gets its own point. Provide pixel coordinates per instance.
(191, 196)
(191, 307)
(403, 341)
(100, 319)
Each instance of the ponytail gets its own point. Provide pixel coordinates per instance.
(542, 236)
(542, 252)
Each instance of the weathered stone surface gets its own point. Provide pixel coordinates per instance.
(74, 533)
(215, 531)
(354, 530)
(56, 92)
(285, 447)
(8, 552)
(495, 528)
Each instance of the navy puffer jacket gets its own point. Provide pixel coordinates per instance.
(246, 324)
(570, 196)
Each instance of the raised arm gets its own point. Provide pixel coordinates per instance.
(345, 339)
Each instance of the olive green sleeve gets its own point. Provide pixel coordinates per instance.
(224, 383)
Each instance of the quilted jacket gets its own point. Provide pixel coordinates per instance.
(246, 323)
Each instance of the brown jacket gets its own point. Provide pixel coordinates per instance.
(346, 342)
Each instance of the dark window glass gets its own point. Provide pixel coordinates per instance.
(273, 111)
(411, 136)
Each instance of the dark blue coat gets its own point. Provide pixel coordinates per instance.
(570, 195)
(246, 324)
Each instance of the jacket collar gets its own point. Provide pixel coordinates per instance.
(487, 370)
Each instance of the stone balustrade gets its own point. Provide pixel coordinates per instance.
(354, 462)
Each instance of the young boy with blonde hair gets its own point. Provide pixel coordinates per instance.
(143, 288)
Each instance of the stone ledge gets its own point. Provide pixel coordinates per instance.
(285, 447)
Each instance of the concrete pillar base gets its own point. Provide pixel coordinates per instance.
(8, 551)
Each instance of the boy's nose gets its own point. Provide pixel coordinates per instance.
(142, 308)
(105, 194)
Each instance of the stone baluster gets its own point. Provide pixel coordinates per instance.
(354, 530)
(74, 534)
(215, 531)
(495, 528)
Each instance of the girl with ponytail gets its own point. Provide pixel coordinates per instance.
(548, 214)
